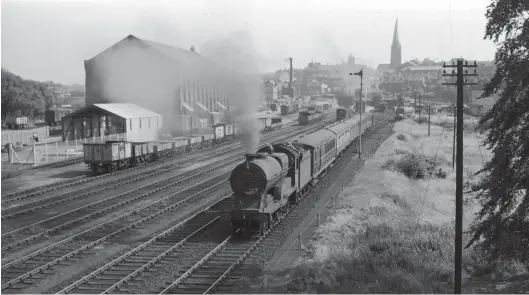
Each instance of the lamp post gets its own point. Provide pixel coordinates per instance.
(361, 74)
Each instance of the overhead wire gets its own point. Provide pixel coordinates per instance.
(429, 179)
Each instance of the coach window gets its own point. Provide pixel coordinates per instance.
(140, 122)
(130, 124)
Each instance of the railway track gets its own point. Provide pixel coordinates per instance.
(62, 187)
(10, 207)
(124, 272)
(133, 266)
(16, 272)
(209, 272)
(152, 192)
(39, 224)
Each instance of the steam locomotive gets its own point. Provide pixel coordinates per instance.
(278, 175)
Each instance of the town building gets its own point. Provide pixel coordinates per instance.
(171, 81)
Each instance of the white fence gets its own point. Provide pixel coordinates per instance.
(39, 153)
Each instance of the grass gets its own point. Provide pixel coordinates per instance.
(393, 229)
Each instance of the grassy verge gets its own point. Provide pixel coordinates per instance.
(393, 230)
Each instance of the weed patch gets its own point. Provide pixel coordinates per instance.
(415, 166)
(384, 259)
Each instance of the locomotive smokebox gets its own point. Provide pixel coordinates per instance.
(258, 174)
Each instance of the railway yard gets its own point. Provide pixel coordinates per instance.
(156, 227)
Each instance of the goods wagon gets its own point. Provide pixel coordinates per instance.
(289, 109)
(307, 117)
(109, 155)
(153, 151)
(278, 175)
(14, 122)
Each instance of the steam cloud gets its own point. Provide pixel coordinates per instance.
(237, 54)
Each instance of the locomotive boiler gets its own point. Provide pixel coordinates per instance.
(261, 185)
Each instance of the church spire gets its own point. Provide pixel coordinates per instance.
(396, 33)
(395, 48)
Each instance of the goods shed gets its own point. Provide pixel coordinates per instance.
(112, 121)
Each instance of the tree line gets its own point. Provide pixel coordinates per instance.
(23, 97)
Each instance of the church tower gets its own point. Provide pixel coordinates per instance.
(395, 48)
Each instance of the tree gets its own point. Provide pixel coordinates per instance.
(502, 226)
(24, 97)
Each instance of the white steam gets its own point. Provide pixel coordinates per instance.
(237, 54)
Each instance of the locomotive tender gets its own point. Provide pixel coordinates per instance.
(278, 175)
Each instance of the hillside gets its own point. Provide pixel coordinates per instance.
(24, 97)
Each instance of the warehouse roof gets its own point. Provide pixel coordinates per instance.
(123, 110)
(174, 53)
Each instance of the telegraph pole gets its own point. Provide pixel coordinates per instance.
(416, 106)
(361, 74)
(460, 83)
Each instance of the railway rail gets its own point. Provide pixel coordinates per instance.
(66, 220)
(34, 228)
(113, 277)
(123, 272)
(103, 180)
(210, 271)
(16, 272)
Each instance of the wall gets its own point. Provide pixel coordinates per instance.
(131, 71)
(143, 129)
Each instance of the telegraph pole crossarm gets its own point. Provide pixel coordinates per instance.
(460, 83)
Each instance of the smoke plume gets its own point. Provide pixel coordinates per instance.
(237, 55)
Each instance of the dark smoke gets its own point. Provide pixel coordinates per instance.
(236, 53)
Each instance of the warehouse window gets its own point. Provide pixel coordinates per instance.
(130, 124)
(150, 122)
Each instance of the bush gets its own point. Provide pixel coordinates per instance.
(401, 137)
(416, 166)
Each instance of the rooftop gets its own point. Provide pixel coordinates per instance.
(123, 110)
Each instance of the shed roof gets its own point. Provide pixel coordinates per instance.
(123, 110)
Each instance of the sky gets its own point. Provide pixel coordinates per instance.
(49, 40)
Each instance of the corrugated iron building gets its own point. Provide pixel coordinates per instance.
(177, 83)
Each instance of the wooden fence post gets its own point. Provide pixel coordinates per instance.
(56, 151)
(46, 149)
(300, 242)
(35, 163)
